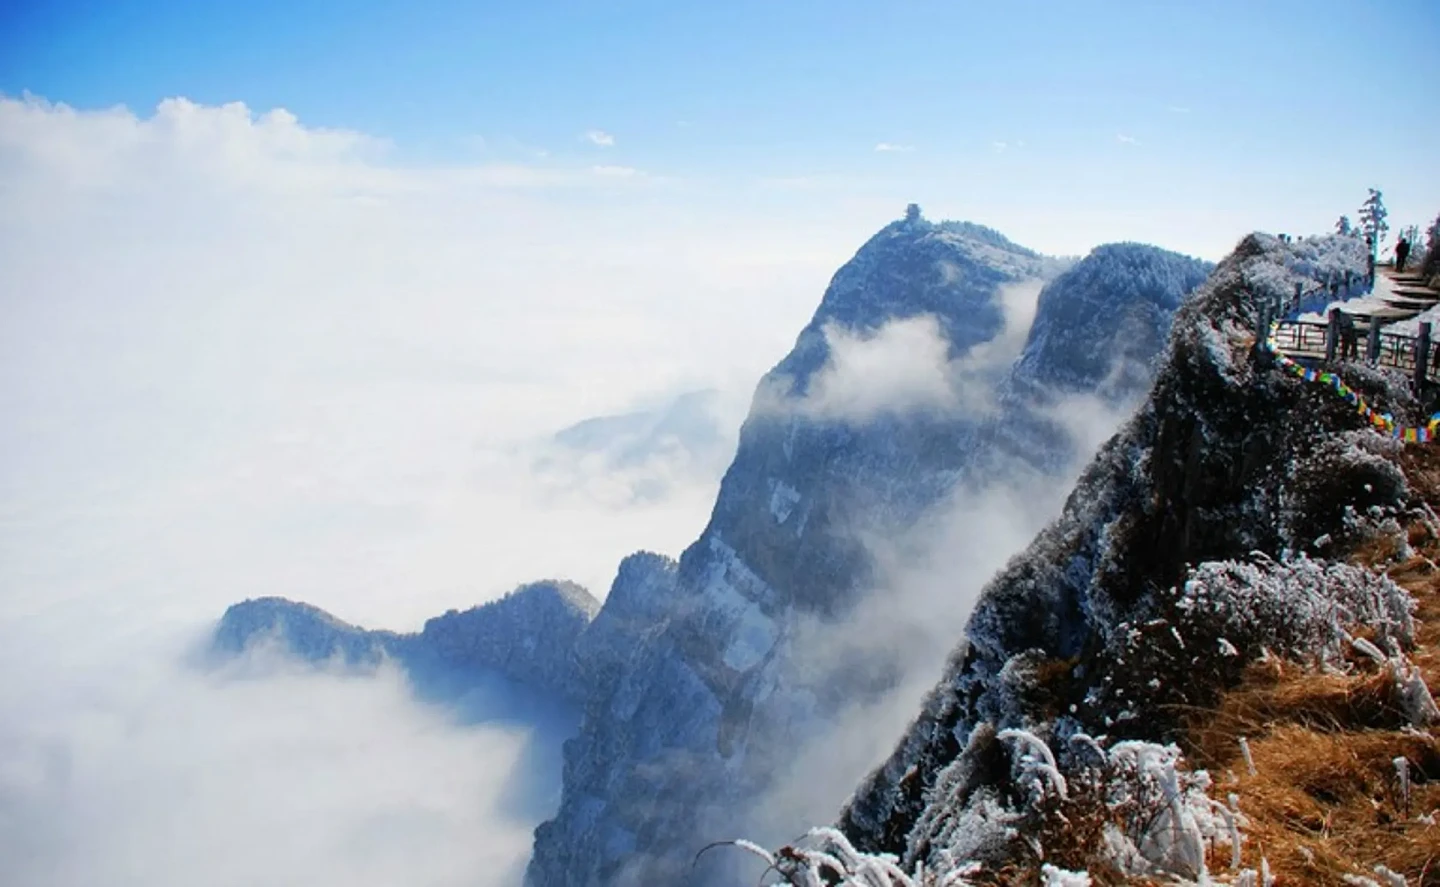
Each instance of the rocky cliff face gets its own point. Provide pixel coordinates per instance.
(708, 706)
(1229, 468)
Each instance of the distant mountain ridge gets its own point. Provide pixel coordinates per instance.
(529, 636)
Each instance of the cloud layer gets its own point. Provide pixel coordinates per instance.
(241, 356)
(905, 366)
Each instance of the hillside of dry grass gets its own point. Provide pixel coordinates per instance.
(1325, 799)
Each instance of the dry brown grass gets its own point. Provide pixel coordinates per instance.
(1324, 800)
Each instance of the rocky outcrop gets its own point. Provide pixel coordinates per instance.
(688, 726)
(306, 630)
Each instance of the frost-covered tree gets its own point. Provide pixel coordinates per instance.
(1343, 226)
(912, 213)
(1431, 263)
(1372, 218)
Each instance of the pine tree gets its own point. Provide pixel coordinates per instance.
(1372, 218)
(1431, 265)
(1343, 226)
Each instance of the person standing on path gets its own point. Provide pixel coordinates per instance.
(1402, 252)
(1349, 337)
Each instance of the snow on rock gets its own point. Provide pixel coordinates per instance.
(782, 500)
(1414, 695)
(1058, 877)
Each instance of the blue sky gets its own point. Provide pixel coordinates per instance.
(1276, 112)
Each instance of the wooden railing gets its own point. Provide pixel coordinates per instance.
(1298, 337)
(1320, 341)
(1305, 339)
(1337, 287)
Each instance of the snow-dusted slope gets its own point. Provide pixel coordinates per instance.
(1227, 457)
(1104, 320)
(1098, 330)
(529, 636)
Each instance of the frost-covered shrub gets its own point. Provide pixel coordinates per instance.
(1334, 491)
(826, 857)
(1127, 810)
(1195, 640)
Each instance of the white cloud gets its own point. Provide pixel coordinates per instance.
(905, 366)
(890, 146)
(599, 138)
(899, 368)
(999, 147)
(242, 356)
(622, 172)
(1179, 109)
(928, 579)
(1126, 140)
(128, 767)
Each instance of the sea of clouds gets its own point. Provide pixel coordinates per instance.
(240, 356)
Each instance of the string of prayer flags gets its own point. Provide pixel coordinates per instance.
(1382, 422)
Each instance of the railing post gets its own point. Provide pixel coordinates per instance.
(1372, 343)
(1422, 355)
(1332, 335)
(1262, 326)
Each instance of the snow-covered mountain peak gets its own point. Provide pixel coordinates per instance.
(951, 270)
